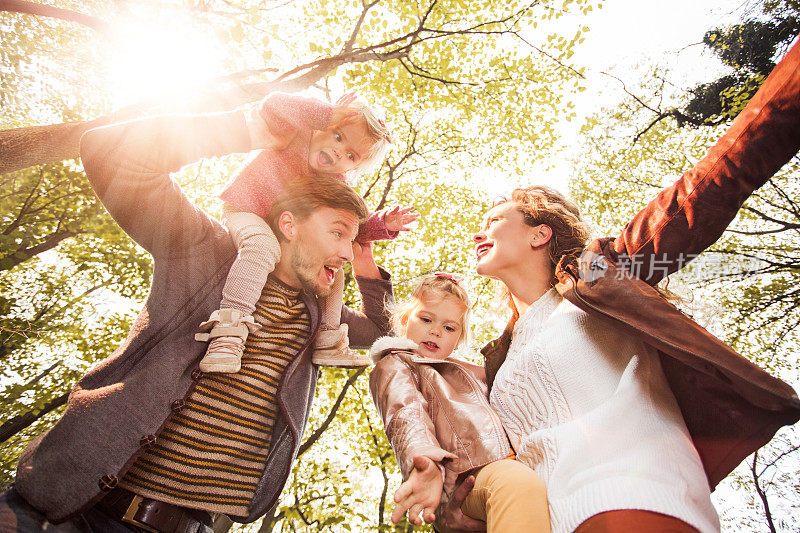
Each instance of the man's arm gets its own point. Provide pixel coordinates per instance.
(128, 165)
(688, 217)
(374, 284)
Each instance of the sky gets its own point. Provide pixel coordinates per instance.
(627, 33)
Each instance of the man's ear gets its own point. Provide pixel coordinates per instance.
(287, 225)
(540, 235)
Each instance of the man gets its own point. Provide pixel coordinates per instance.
(148, 442)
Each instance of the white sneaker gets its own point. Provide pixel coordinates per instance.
(229, 331)
(331, 349)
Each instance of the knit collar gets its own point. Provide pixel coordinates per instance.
(538, 311)
(274, 283)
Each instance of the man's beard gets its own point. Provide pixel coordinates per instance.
(303, 264)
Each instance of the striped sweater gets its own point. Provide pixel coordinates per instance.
(210, 454)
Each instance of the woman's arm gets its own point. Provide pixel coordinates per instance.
(689, 216)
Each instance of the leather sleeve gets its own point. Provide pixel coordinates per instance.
(689, 216)
(405, 414)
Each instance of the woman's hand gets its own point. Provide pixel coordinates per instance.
(420, 493)
(450, 518)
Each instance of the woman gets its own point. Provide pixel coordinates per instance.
(629, 411)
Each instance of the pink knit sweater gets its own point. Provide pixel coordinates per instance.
(257, 184)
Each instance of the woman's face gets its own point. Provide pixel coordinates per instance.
(504, 242)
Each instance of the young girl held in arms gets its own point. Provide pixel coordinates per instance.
(307, 137)
(439, 422)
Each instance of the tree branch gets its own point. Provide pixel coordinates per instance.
(348, 46)
(23, 254)
(14, 425)
(331, 415)
(762, 493)
(30, 8)
(33, 381)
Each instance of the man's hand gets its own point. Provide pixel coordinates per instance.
(450, 518)
(260, 135)
(363, 262)
(420, 493)
(398, 218)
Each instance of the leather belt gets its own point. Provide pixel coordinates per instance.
(152, 515)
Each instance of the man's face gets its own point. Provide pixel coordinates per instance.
(321, 245)
(340, 149)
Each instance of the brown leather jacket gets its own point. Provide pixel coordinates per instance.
(730, 406)
(436, 408)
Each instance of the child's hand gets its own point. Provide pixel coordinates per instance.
(398, 218)
(342, 111)
(420, 493)
(260, 135)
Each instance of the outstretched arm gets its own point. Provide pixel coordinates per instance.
(287, 113)
(128, 165)
(386, 224)
(404, 411)
(420, 493)
(688, 217)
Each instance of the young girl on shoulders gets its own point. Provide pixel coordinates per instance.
(307, 137)
(439, 422)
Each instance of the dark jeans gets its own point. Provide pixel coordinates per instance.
(18, 516)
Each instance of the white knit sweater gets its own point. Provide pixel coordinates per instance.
(589, 409)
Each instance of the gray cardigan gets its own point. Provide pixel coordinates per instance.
(129, 395)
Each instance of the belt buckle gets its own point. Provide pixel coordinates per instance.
(130, 513)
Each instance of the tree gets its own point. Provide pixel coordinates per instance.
(419, 54)
(750, 49)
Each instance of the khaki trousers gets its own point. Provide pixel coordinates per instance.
(510, 498)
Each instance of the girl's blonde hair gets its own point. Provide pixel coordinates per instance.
(439, 284)
(377, 130)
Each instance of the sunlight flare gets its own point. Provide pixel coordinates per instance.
(155, 60)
